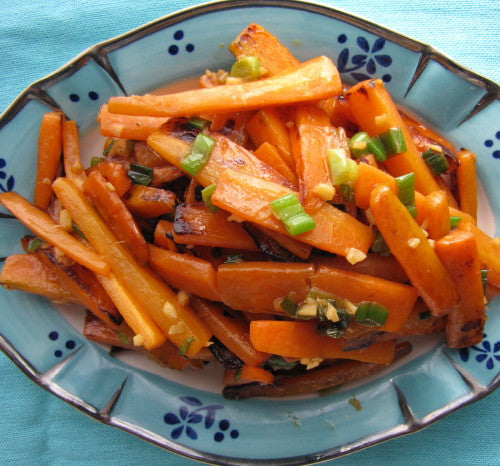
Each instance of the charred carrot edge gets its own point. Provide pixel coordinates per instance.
(138, 128)
(73, 167)
(180, 323)
(312, 80)
(458, 253)
(467, 182)
(116, 174)
(149, 202)
(49, 155)
(234, 333)
(300, 340)
(438, 215)
(247, 374)
(43, 226)
(408, 243)
(375, 112)
(163, 234)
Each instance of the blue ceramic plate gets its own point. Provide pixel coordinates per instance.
(184, 412)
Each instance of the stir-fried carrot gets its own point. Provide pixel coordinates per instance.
(467, 182)
(73, 167)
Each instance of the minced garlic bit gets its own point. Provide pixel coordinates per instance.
(235, 218)
(425, 224)
(262, 71)
(431, 242)
(435, 147)
(138, 340)
(176, 328)
(331, 313)
(110, 186)
(370, 217)
(324, 191)
(232, 80)
(381, 120)
(46, 181)
(290, 124)
(65, 220)
(308, 310)
(350, 307)
(354, 256)
(117, 129)
(413, 242)
(311, 363)
(425, 232)
(183, 298)
(76, 168)
(169, 310)
(361, 145)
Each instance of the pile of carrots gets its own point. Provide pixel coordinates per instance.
(193, 265)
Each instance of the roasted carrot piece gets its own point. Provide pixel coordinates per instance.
(247, 374)
(73, 168)
(49, 155)
(233, 332)
(368, 178)
(312, 80)
(408, 243)
(316, 136)
(260, 286)
(149, 202)
(356, 287)
(196, 225)
(96, 330)
(116, 215)
(116, 174)
(182, 325)
(300, 340)
(254, 40)
(185, 272)
(458, 253)
(26, 272)
(170, 142)
(487, 248)
(163, 235)
(248, 198)
(443, 186)
(437, 215)
(467, 182)
(375, 112)
(270, 155)
(138, 128)
(42, 225)
(267, 125)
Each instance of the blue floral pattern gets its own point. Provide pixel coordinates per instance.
(173, 49)
(192, 413)
(367, 64)
(489, 143)
(8, 184)
(487, 353)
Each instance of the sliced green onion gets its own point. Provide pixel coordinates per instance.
(96, 161)
(358, 144)
(108, 147)
(34, 244)
(299, 223)
(317, 293)
(347, 190)
(246, 68)
(197, 123)
(183, 349)
(376, 148)
(413, 210)
(206, 195)
(289, 210)
(406, 191)
(393, 141)
(77, 230)
(278, 363)
(124, 338)
(371, 314)
(233, 259)
(343, 170)
(332, 330)
(436, 161)
(281, 206)
(454, 221)
(237, 374)
(379, 246)
(289, 306)
(199, 154)
(484, 277)
(140, 174)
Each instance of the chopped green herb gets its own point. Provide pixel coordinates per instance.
(276, 363)
(406, 192)
(393, 141)
(377, 148)
(206, 195)
(199, 154)
(233, 259)
(34, 244)
(77, 230)
(355, 403)
(183, 349)
(454, 221)
(246, 68)
(197, 123)
(300, 223)
(371, 314)
(343, 170)
(108, 147)
(358, 144)
(289, 306)
(237, 374)
(436, 161)
(96, 160)
(124, 338)
(332, 330)
(289, 210)
(139, 174)
(379, 246)
(347, 190)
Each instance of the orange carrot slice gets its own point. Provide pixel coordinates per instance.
(71, 154)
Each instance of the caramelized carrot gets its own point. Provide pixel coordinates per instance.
(437, 215)
(116, 174)
(312, 80)
(247, 374)
(116, 215)
(408, 243)
(458, 253)
(42, 225)
(163, 235)
(185, 272)
(49, 155)
(368, 178)
(300, 340)
(149, 202)
(487, 248)
(73, 168)
(375, 112)
(270, 155)
(467, 182)
(233, 332)
(297, 248)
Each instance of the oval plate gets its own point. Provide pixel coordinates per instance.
(178, 411)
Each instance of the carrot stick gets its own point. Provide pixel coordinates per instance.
(467, 182)
(116, 216)
(458, 253)
(368, 178)
(163, 235)
(270, 155)
(261, 286)
(234, 333)
(149, 202)
(375, 112)
(300, 340)
(452, 202)
(185, 272)
(396, 297)
(179, 322)
(437, 215)
(43, 226)
(138, 128)
(49, 155)
(248, 198)
(71, 154)
(247, 374)
(408, 243)
(487, 248)
(315, 79)
(116, 174)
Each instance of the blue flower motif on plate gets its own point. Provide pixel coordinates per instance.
(489, 143)
(364, 65)
(8, 184)
(487, 353)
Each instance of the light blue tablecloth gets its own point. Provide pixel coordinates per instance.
(38, 37)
